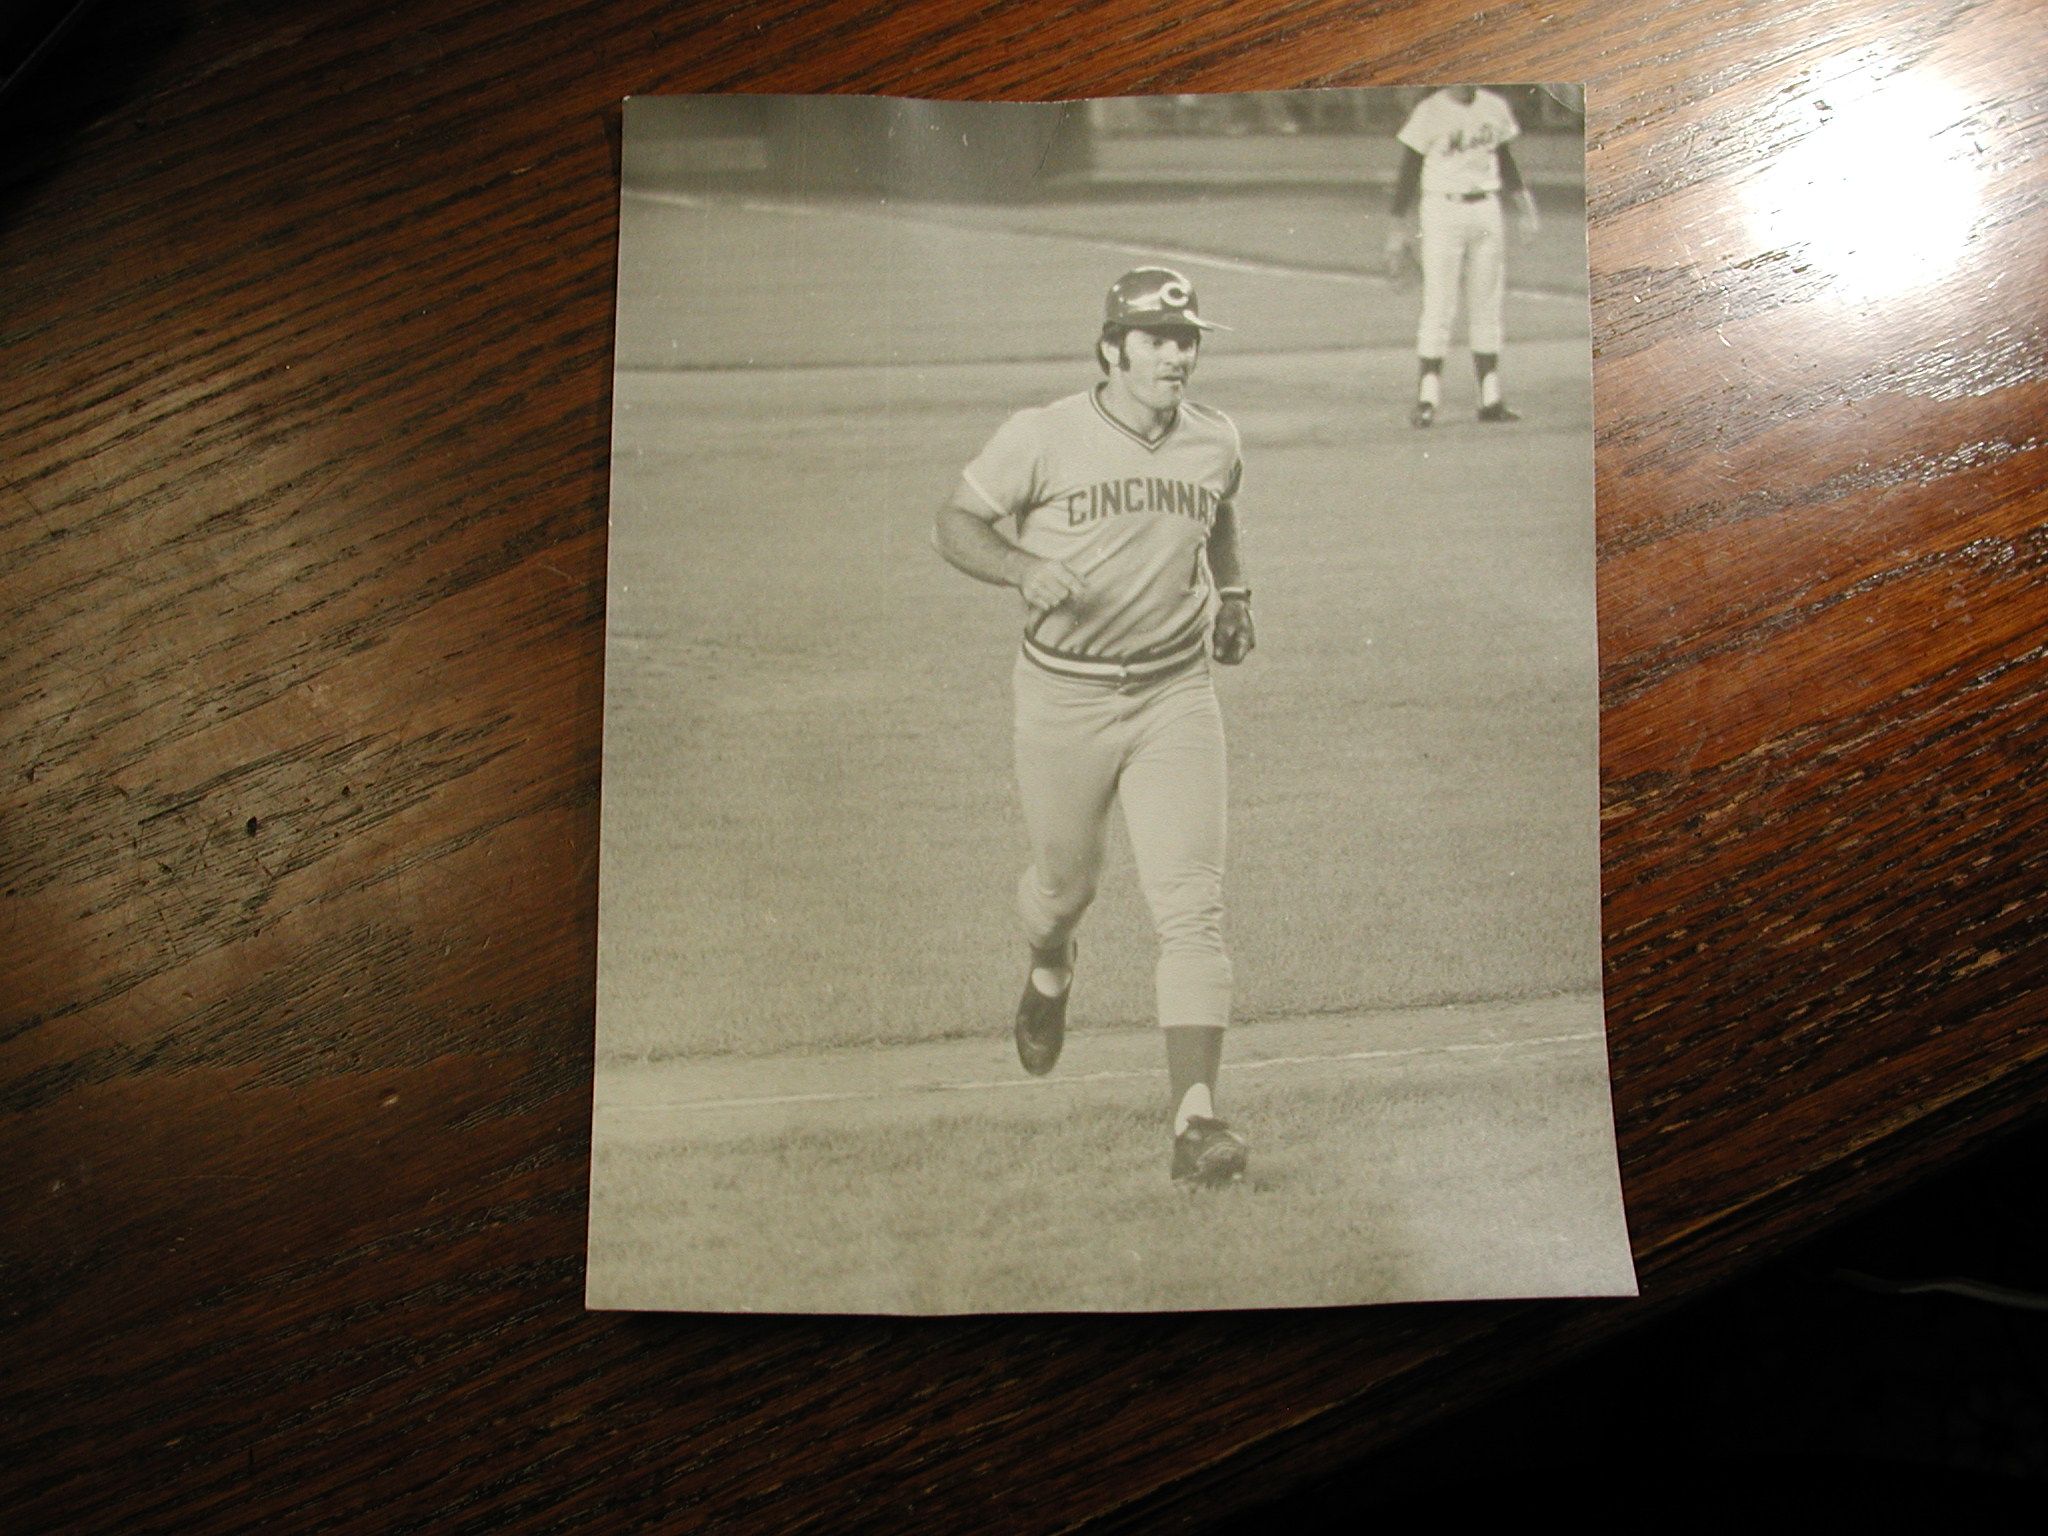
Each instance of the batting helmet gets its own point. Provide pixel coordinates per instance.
(1146, 297)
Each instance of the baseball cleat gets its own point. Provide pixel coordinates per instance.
(1208, 1153)
(1042, 1022)
(1423, 415)
(1498, 411)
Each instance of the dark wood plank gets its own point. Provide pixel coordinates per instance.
(304, 387)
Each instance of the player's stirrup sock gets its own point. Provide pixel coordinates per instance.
(1054, 979)
(1194, 1058)
(1486, 366)
(1429, 389)
(1196, 1101)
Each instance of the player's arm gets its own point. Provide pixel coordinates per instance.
(1407, 183)
(1232, 639)
(965, 535)
(1407, 191)
(1511, 183)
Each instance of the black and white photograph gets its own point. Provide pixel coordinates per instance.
(1100, 770)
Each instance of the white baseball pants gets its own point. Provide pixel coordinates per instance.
(1462, 246)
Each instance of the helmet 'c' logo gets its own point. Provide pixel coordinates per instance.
(1175, 295)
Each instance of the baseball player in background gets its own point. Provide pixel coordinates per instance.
(1113, 512)
(1456, 164)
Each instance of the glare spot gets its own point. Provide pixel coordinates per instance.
(1881, 196)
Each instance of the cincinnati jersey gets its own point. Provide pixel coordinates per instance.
(1457, 141)
(1130, 517)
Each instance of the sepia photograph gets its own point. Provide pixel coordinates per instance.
(1100, 781)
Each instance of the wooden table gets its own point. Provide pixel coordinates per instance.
(304, 381)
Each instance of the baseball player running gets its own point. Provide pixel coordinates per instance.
(1456, 163)
(1113, 512)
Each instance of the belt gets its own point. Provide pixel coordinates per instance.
(1466, 197)
(1146, 666)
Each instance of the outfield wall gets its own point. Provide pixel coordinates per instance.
(1021, 152)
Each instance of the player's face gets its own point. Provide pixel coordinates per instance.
(1155, 365)
(1464, 95)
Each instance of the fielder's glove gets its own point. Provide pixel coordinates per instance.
(1232, 640)
(1402, 262)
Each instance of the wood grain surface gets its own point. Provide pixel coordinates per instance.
(305, 339)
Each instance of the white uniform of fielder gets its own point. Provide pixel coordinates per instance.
(1456, 166)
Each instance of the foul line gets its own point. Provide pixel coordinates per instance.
(997, 1085)
(1122, 248)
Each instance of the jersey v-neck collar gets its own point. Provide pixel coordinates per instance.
(1149, 444)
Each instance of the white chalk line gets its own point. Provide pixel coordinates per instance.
(1030, 1085)
(1122, 248)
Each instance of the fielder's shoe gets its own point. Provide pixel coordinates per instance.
(1423, 415)
(1208, 1152)
(1498, 411)
(1042, 1022)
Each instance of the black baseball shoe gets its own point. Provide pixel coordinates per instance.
(1208, 1153)
(1423, 415)
(1498, 411)
(1042, 1021)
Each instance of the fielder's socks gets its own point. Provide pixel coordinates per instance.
(1487, 366)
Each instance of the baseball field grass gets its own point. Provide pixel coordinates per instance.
(812, 829)
(810, 824)
(921, 1180)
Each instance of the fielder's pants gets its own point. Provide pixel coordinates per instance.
(1157, 749)
(1461, 259)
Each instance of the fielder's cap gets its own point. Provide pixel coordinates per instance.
(1154, 296)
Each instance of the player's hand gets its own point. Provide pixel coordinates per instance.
(1048, 583)
(1400, 251)
(1525, 213)
(1232, 639)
